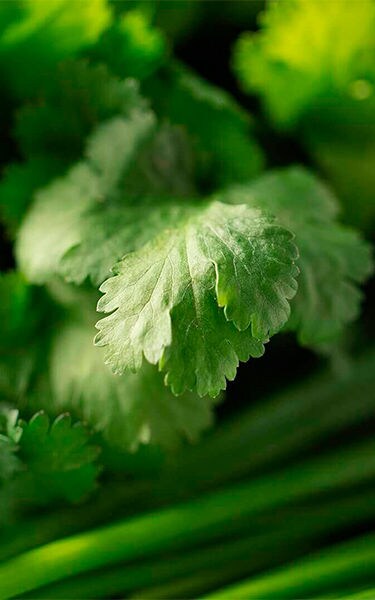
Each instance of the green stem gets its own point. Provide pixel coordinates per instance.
(303, 530)
(120, 498)
(129, 578)
(185, 524)
(343, 564)
(367, 594)
(348, 592)
(302, 527)
(189, 586)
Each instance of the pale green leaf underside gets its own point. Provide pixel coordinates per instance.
(333, 259)
(131, 409)
(107, 233)
(53, 224)
(166, 298)
(59, 213)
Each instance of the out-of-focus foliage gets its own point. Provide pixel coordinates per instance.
(225, 149)
(45, 461)
(314, 68)
(131, 46)
(133, 409)
(38, 33)
(305, 52)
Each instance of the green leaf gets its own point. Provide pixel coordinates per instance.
(42, 462)
(58, 456)
(164, 167)
(129, 410)
(18, 185)
(52, 133)
(107, 233)
(220, 130)
(329, 49)
(70, 106)
(320, 82)
(43, 33)
(131, 46)
(102, 203)
(9, 461)
(23, 312)
(54, 222)
(165, 299)
(333, 259)
(340, 138)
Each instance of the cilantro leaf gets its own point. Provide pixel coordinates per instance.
(220, 129)
(69, 107)
(166, 297)
(329, 49)
(9, 461)
(41, 33)
(333, 259)
(23, 313)
(58, 457)
(102, 203)
(43, 462)
(319, 82)
(129, 410)
(54, 222)
(18, 184)
(131, 46)
(106, 234)
(52, 133)
(165, 166)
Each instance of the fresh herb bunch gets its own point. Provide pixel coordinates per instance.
(139, 197)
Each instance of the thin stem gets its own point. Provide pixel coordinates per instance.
(367, 594)
(343, 564)
(32, 532)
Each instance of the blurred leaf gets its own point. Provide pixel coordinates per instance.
(341, 139)
(129, 410)
(313, 67)
(18, 185)
(52, 132)
(26, 314)
(43, 33)
(9, 461)
(226, 150)
(132, 46)
(58, 457)
(103, 204)
(306, 51)
(54, 223)
(78, 98)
